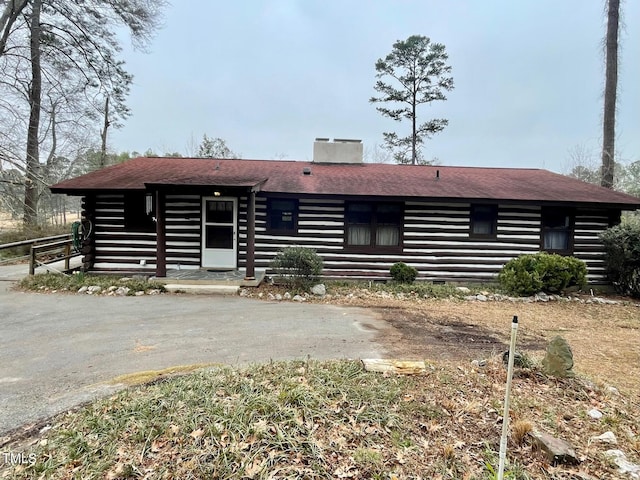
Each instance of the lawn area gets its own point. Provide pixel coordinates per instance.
(309, 419)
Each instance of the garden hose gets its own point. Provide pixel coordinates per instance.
(78, 234)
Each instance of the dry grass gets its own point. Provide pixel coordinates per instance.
(332, 420)
(605, 339)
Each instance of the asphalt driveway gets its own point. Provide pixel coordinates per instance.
(58, 350)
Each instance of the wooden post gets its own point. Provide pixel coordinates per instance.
(32, 260)
(250, 273)
(67, 256)
(161, 239)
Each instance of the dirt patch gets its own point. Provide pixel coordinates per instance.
(423, 334)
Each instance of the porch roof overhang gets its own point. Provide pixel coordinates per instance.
(187, 183)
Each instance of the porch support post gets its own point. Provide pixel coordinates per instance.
(161, 239)
(251, 236)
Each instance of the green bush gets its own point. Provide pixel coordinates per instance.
(403, 273)
(298, 267)
(530, 274)
(622, 257)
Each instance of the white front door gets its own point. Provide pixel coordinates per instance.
(219, 226)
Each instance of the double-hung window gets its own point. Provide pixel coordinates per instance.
(483, 221)
(373, 226)
(282, 215)
(557, 230)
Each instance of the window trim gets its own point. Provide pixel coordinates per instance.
(571, 229)
(473, 219)
(270, 211)
(371, 248)
(137, 218)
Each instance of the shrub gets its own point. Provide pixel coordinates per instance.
(529, 274)
(297, 266)
(403, 273)
(622, 257)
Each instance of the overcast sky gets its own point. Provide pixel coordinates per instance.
(270, 76)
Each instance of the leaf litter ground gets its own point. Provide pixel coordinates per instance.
(335, 420)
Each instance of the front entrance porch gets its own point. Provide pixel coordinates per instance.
(204, 276)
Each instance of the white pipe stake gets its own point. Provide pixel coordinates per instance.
(505, 415)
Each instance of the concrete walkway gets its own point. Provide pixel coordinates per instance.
(58, 350)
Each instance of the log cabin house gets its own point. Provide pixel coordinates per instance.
(151, 215)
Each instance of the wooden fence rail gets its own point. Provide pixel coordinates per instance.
(56, 248)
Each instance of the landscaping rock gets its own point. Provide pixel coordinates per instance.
(558, 360)
(271, 296)
(83, 289)
(606, 437)
(481, 298)
(595, 414)
(154, 291)
(112, 288)
(287, 296)
(94, 289)
(542, 297)
(624, 466)
(122, 291)
(557, 451)
(244, 292)
(319, 290)
(298, 298)
(139, 293)
(463, 289)
(278, 297)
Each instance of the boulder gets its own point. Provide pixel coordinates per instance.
(558, 361)
(557, 451)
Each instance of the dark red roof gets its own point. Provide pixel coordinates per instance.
(368, 179)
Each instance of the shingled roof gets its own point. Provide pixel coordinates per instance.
(368, 179)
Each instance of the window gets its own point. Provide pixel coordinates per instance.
(557, 230)
(139, 212)
(374, 225)
(483, 221)
(282, 215)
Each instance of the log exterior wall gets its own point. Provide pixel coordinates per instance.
(436, 239)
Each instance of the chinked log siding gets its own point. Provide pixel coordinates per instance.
(117, 249)
(436, 239)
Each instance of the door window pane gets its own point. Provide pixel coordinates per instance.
(219, 211)
(219, 236)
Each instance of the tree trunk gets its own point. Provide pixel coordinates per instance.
(12, 11)
(35, 93)
(103, 135)
(414, 154)
(611, 83)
